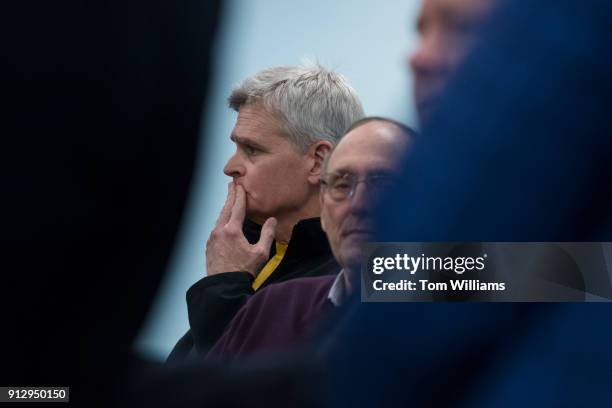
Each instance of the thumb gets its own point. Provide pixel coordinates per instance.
(268, 232)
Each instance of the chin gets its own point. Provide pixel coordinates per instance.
(355, 242)
(352, 257)
(254, 214)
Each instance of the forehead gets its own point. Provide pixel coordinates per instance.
(452, 9)
(374, 146)
(255, 123)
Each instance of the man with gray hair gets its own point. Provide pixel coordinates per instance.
(268, 231)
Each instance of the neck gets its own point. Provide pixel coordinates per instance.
(349, 280)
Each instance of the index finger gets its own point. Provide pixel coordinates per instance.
(224, 215)
(239, 207)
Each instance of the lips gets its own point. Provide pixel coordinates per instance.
(357, 231)
(246, 192)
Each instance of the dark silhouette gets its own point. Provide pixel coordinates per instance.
(518, 150)
(103, 101)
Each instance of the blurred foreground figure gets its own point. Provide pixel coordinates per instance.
(104, 104)
(447, 30)
(518, 149)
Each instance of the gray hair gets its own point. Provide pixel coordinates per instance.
(310, 102)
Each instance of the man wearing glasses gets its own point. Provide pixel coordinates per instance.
(356, 173)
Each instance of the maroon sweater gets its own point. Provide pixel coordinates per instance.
(276, 318)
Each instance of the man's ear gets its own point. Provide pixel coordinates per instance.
(318, 152)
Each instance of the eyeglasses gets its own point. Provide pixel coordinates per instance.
(341, 186)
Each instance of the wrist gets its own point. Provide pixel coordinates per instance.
(228, 269)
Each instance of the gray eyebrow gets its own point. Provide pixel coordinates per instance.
(237, 139)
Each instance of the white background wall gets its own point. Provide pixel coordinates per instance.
(366, 41)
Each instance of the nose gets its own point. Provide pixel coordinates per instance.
(429, 57)
(234, 167)
(361, 201)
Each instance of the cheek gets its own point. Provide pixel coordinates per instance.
(351, 252)
(257, 181)
(332, 218)
(254, 186)
(271, 186)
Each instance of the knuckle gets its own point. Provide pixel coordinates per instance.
(225, 232)
(260, 253)
(214, 235)
(231, 232)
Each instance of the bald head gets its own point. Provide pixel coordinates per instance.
(390, 137)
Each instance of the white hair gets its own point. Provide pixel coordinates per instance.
(310, 102)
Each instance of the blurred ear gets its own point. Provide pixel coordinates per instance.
(317, 153)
